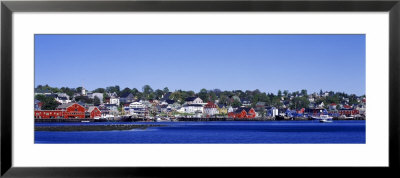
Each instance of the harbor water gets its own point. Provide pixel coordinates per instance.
(213, 132)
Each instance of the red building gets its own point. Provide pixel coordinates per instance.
(93, 112)
(72, 110)
(348, 112)
(69, 110)
(243, 113)
(48, 114)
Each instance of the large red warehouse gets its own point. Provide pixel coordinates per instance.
(72, 110)
(69, 110)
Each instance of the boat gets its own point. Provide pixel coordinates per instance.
(323, 118)
(163, 119)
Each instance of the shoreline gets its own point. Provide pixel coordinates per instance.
(71, 128)
(184, 120)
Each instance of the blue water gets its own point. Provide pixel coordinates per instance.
(215, 132)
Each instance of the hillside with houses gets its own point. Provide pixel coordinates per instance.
(112, 102)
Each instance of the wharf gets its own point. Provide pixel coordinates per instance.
(71, 120)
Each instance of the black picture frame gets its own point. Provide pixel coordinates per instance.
(8, 7)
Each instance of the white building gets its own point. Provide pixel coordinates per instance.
(193, 100)
(210, 109)
(273, 111)
(136, 105)
(63, 99)
(114, 100)
(193, 108)
(137, 108)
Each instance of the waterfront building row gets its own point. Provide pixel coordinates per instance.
(193, 106)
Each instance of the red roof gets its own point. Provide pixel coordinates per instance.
(210, 105)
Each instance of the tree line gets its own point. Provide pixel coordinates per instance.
(234, 98)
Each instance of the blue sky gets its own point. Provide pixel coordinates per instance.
(192, 62)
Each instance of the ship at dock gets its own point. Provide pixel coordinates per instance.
(323, 118)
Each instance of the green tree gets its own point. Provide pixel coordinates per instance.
(300, 102)
(158, 93)
(203, 94)
(79, 90)
(112, 89)
(125, 91)
(84, 99)
(236, 104)
(285, 93)
(105, 97)
(279, 93)
(190, 93)
(211, 96)
(304, 92)
(177, 96)
(165, 90)
(69, 91)
(147, 90)
(223, 99)
(96, 101)
(136, 93)
(48, 102)
(99, 90)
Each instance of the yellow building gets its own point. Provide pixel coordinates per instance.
(222, 109)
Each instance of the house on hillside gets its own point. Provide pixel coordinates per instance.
(114, 100)
(62, 99)
(127, 98)
(193, 100)
(210, 109)
(165, 96)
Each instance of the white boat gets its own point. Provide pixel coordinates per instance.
(163, 119)
(323, 118)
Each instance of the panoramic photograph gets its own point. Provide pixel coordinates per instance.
(200, 89)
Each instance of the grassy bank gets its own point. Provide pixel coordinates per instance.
(94, 127)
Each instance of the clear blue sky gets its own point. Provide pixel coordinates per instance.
(191, 62)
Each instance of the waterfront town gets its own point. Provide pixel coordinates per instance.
(113, 104)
